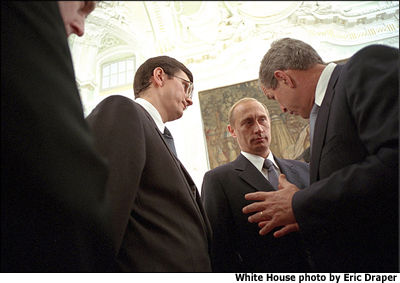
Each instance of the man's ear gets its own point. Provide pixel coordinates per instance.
(283, 78)
(158, 76)
(231, 130)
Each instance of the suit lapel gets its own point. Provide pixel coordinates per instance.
(156, 128)
(321, 125)
(250, 174)
(191, 186)
(287, 169)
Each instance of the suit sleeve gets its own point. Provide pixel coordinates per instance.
(119, 138)
(223, 256)
(365, 191)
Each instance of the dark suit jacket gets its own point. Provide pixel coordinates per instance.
(159, 224)
(52, 180)
(237, 246)
(350, 212)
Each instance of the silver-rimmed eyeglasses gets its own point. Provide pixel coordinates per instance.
(188, 86)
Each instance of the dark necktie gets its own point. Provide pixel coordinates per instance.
(272, 174)
(313, 117)
(169, 140)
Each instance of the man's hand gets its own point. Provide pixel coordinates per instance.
(273, 209)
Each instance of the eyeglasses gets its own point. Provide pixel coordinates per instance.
(188, 87)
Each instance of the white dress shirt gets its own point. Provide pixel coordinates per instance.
(258, 162)
(322, 84)
(153, 113)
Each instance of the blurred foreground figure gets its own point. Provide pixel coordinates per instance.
(52, 181)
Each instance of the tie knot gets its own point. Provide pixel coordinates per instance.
(167, 133)
(268, 164)
(314, 111)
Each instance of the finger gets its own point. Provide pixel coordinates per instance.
(282, 181)
(259, 216)
(262, 223)
(267, 228)
(253, 207)
(256, 196)
(294, 227)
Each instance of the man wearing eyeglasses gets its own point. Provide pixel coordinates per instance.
(159, 224)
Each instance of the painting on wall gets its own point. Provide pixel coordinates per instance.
(290, 133)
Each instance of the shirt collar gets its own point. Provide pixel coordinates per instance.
(257, 160)
(322, 84)
(153, 112)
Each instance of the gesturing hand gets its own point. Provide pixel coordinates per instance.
(273, 209)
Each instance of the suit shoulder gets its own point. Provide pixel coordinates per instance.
(117, 105)
(377, 50)
(379, 54)
(220, 170)
(117, 99)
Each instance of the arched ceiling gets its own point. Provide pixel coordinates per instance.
(203, 29)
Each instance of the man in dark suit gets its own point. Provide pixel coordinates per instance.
(52, 180)
(237, 245)
(349, 213)
(159, 224)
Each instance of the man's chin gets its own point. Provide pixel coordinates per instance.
(176, 117)
(260, 150)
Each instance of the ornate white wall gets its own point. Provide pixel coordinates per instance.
(222, 42)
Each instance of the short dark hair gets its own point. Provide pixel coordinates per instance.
(143, 74)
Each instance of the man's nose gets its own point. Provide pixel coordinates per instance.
(258, 128)
(78, 28)
(189, 101)
(283, 108)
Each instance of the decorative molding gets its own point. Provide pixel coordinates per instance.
(112, 13)
(361, 12)
(110, 41)
(89, 85)
(255, 11)
(359, 35)
(200, 31)
(162, 23)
